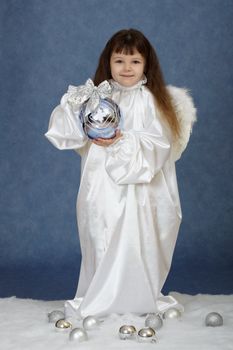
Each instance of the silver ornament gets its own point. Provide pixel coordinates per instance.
(154, 321)
(63, 325)
(127, 332)
(172, 313)
(55, 315)
(214, 319)
(78, 334)
(103, 121)
(90, 322)
(147, 335)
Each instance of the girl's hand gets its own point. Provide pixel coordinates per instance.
(107, 142)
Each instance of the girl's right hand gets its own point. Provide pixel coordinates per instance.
(108, 142)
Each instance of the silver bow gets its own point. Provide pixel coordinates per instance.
(80, 94)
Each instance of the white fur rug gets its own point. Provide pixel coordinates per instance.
(24, 326)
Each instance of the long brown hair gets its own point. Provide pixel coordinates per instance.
(126, 41)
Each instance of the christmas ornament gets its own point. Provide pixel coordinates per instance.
(63, 325)
(127, 332)
(101, 122)
(78, 334)
(154, 321)
(214, 319)
(90, 322)
(55, 315)
(147, 335)
(172, 313)
(99, 115)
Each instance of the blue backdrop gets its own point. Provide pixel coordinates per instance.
(47, 45)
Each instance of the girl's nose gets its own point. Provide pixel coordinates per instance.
(127, 66)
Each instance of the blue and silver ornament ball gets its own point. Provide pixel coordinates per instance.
(103, 121)
(100, 116)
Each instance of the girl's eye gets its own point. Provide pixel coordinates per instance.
(134, 62)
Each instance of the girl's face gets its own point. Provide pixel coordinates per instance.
(127, 70)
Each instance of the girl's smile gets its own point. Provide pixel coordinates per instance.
(127, 70)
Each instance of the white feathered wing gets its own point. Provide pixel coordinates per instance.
(186, 114)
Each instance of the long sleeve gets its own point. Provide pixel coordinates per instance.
(138, 155)
(65, 130)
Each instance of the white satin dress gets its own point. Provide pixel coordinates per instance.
(128, 208)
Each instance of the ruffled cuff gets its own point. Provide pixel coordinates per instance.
(136, 157)
(65, 130)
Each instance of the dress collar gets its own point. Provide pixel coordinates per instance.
(118, 86)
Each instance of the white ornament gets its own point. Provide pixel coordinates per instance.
(172, 313)
(90, 322)
(55, 315)
(214, 319)
(154, 321)
(78, 334)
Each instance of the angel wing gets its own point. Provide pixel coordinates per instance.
(186, 114)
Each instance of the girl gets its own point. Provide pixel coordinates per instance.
(128, 207)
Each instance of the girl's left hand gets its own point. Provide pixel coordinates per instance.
(107, 142)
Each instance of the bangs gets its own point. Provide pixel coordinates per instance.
(128, 44)
(126, 49)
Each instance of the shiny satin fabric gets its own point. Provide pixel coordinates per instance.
(128, 208)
